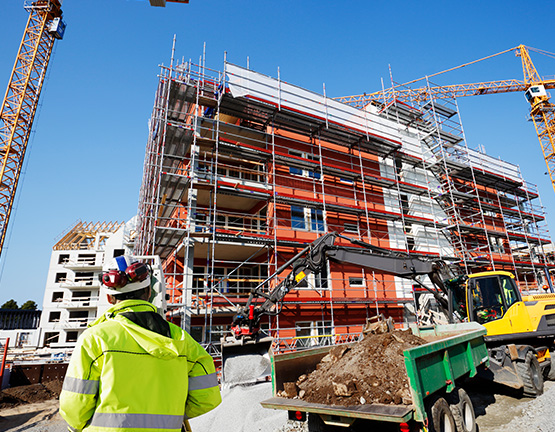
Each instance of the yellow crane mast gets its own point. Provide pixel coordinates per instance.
(542, 111)
(20, 103)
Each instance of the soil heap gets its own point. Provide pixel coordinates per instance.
(370, 371)
(32, 393)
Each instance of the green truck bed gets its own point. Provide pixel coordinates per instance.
(454, 351)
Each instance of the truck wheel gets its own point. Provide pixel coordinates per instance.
(530, 372)
(442, 419)
(551, 373)
(462, 410)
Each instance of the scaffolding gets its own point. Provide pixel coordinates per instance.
(242, 170)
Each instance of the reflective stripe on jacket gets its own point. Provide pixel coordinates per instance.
(123, 377)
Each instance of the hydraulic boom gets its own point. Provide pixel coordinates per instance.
(313, 258)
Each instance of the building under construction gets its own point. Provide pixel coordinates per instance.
(242, 170)
(72, 297)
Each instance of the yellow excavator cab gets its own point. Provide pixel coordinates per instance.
(494, 300)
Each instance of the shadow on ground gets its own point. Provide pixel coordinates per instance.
(17, 420)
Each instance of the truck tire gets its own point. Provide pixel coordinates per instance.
(462, 410)
(530, 372)
(441, 418)
(551, 373)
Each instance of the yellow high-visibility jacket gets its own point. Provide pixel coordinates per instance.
(134, 371)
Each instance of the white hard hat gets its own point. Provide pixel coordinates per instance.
(124, 275)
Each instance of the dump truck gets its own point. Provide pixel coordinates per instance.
(520, 329)
(436, 374)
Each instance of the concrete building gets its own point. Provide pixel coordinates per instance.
(21, 327)
(72, 297)
(243, 170)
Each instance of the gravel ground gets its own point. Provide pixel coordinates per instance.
(36, 417)
(245, 369)
(241, 412)
(530, 415)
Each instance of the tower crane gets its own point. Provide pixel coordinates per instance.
(17, 112)
(542, 111)
(20, 103)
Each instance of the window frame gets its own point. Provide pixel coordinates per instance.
(302, 172)
(313, 219)
(352, 279)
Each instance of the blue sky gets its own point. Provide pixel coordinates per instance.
(86, 154)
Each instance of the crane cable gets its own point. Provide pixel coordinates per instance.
(546, 53)
(458, 67)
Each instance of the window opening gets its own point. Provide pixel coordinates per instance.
(297, 218)
(304, 218)
(54, 316)
(51, 337)
(71, 336)
(57, 296)
(356, 281)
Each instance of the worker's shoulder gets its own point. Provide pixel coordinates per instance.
(179, 334)
(107, 327)
(176, 331)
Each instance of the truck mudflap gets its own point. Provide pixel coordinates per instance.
(380, 412)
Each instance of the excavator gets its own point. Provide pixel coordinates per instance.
(520, 329)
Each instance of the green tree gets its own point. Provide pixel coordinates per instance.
(10, 304)
(29, 305)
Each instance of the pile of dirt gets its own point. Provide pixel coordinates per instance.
(371, 371)
(32, 393)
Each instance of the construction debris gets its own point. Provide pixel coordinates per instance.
(378, 324)
(370, 371)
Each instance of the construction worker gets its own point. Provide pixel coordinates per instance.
(132, 370)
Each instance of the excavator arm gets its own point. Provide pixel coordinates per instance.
(314, 257)
(245, 357)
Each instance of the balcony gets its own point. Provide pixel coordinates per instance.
(82, 265)
(75, 323)
(80, 303)
(69, 323)
(78, 283)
